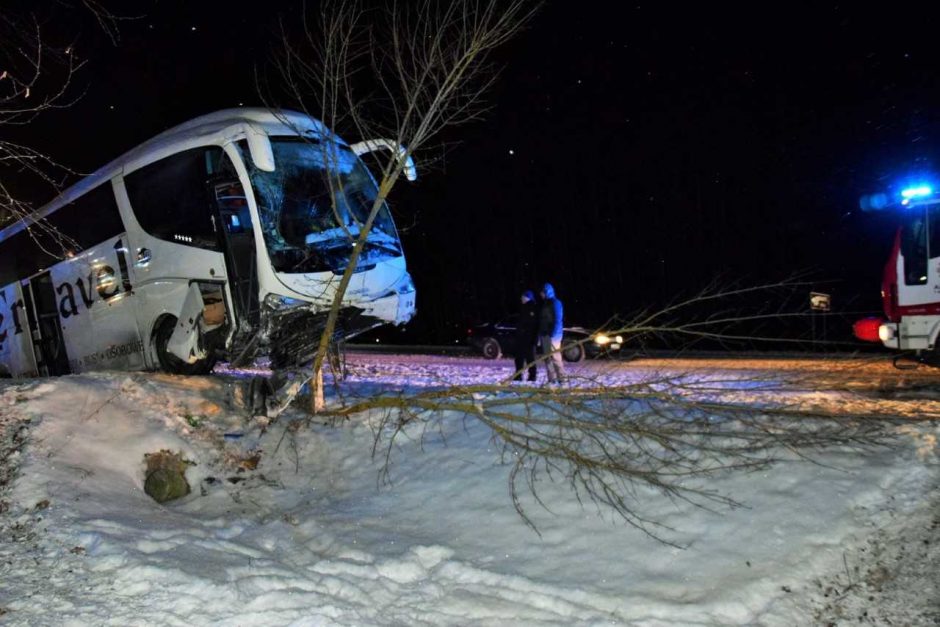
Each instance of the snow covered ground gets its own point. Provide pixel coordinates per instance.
(293, 526)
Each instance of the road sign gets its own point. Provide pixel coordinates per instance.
(819, 301)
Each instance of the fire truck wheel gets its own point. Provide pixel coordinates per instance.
(932, 357)
(170, 362)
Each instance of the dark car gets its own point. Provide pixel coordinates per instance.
(496, 340)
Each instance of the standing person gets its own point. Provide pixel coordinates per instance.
(527, 329)
(550, 332)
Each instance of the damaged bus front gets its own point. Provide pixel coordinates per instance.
(311, 210)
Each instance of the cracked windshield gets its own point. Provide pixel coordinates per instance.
(302, 230)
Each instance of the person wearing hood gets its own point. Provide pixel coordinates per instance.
(527, 328)
(550, 332)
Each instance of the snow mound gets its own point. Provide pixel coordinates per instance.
(312, 535)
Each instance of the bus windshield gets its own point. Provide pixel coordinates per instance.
(303, 230)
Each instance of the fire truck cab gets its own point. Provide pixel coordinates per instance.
(910, 287)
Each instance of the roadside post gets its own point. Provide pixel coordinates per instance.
(819, 305)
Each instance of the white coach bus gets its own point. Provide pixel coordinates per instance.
(215, 239)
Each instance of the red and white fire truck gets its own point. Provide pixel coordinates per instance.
(910, 286)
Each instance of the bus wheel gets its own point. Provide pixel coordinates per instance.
(170, 362)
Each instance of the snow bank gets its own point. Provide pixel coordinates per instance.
(312, 536)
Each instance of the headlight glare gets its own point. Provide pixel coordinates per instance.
(886, 332)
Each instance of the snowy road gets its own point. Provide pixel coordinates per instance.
(311, 537)
(873, 372)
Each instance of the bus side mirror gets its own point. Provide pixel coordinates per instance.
(371, 145)
(259, 146)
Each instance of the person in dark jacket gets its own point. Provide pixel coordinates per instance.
(527, 328)
(551, 323)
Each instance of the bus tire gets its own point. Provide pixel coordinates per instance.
(168, 361)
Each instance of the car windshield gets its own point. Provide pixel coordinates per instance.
(305, 231)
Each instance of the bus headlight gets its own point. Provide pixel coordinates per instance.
(407, 285)
(275, 301)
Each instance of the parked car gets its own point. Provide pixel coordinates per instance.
(494, 340)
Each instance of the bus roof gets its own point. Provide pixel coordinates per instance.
(211, 128)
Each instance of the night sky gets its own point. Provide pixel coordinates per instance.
(635, 153)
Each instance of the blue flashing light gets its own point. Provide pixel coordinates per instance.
(916, 192)
(873, 202)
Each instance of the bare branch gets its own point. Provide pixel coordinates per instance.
(36, 78)
(612, 444)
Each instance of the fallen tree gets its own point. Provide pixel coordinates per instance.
(608, 437)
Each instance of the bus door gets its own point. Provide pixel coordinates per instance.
(43, 317)
(238, 242)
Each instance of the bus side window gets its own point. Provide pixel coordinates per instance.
(87, 221)
(171, 198)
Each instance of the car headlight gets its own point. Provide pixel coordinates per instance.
(619, 339)
(601, 340)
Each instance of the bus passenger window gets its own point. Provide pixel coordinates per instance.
(171, 197)
(90, 219)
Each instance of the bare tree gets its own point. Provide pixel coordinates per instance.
(37, 77)
(30, 84)
(403, 74)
